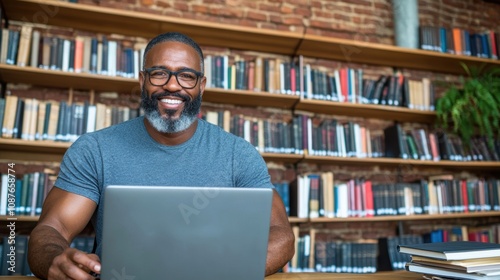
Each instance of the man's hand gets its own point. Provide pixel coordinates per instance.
(74, 264)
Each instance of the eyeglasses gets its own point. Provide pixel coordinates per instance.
(186, 78)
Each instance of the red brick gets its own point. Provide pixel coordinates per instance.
(147, 2)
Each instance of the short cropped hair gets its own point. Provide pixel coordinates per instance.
(174, 37)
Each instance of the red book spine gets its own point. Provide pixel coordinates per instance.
(370, 211)
(465, 195)
(494, 49)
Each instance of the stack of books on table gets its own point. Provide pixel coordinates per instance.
(454, 260)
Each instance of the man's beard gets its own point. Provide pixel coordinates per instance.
(166, 124)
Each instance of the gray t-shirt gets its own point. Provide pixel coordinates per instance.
(125, 154)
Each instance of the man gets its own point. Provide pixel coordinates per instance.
(160, 148)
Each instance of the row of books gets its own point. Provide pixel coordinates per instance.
(306, 134)
(317, 253)
(30, 192)
(328, 137)
(479, 233)
(424, 145)
(19, 264)
(320, 251)
(341, 139)
(460, 41)
(33, 119)
(316, 195)
(27, 46)
(276, 75)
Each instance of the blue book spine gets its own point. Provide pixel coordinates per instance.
(442, 39)
(484, 44)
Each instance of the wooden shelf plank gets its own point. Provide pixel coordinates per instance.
(387, 55)
(61, 79)
(101, 19)
(366, 111)
(28, 151)
(284, 158)
(33, 146)
(20, 218)
(24, 218)
(250, 98)
(471, 165)
(471, 215)
(18, 149)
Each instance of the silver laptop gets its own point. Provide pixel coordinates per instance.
(185, 233)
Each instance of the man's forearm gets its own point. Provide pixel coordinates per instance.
(280, 249)
(45, 244)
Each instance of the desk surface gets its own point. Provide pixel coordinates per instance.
(397, 275)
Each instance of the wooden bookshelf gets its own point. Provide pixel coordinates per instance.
(366, 111)
(148, 24)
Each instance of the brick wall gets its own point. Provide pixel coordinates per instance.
(362, 20)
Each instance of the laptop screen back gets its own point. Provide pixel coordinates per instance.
(185, 233)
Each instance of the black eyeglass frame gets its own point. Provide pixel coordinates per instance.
(173, 73)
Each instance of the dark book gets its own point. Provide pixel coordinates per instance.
(368, 89)
(455, 250)
(395, 142)
(379, 88)
(18, 120)
(93, 55)
(398, 91)
(60, 53)
(391, 90)
(2, 112)
(14, 36)
(387, 258)
(406, 94)
(444, 146)
(105, 55)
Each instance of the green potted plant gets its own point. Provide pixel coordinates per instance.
(473, 107)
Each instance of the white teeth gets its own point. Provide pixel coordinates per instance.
(171, 101)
